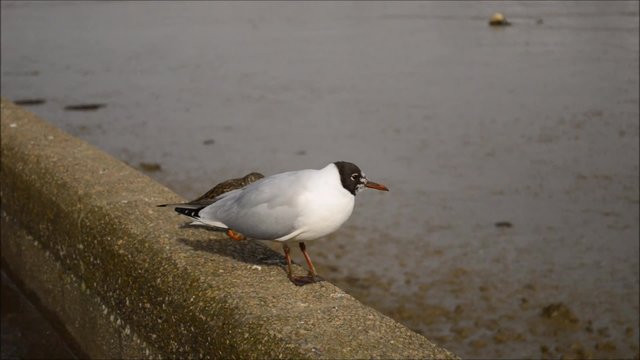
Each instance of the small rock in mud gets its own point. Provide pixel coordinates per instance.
(459, 309)
(30, 102)
(605, 346)
(544, 349)
(490, 324)
(150, 167)
(560, 312)
(577, 351)
(589, 327)
(209, 142)
(301, 152)
(530, 286)
(603, 331)
(628, 331)
(503, 224)
(84, 107)
(504, 335)
(461, 331)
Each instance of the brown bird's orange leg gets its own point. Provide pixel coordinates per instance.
(235, 236)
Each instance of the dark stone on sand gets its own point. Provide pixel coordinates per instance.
(85, 107)
(503, 224)
(30, 102)
(150, 167)
(560, 312)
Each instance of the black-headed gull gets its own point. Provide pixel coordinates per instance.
(291, 206)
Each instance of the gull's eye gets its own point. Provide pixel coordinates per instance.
(355, 177)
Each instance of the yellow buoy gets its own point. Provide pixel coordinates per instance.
(498, 19)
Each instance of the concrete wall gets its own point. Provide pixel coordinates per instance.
(81, 231)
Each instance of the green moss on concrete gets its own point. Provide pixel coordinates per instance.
(181, 292)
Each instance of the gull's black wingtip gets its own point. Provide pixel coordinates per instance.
(190, 212)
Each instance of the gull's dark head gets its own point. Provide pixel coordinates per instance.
(354, 180)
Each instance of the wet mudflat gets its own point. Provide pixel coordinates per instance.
(511, 228)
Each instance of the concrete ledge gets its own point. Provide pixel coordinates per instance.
(81, 231)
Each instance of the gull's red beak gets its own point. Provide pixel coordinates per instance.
(375, 185)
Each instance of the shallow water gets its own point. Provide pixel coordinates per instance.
(511, 153)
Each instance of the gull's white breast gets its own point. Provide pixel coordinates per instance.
(325, 206)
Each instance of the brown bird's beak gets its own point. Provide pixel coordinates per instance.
(375, 185)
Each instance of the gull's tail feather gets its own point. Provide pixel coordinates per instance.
(190, 205)
(194, 213)
(191, 212)
(197, 203)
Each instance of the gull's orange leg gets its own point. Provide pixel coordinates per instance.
(312, 269)
(235, 236)
(299, 280)
(287, 255)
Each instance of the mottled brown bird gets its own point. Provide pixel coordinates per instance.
(227, 186)
(208, 198)
(221, 188)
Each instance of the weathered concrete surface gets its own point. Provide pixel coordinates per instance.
(80, 229)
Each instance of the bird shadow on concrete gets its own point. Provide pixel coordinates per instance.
(247, 251)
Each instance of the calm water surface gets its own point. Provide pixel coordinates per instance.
(511, 153)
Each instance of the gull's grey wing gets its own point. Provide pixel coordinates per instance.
(266, 209)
